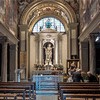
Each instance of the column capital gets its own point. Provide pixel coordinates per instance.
(3, 39)
(92, 37)
(23, 27)
(72, 25)
(59, 37)
(13, 46)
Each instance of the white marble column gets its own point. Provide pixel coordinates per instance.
(37, 50)
(4, 59)
(56, 51)
(69, 45)
(60, 50)
(92, 54)
(40, 52)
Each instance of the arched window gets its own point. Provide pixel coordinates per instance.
(49, 22)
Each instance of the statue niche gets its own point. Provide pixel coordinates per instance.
(48, 53)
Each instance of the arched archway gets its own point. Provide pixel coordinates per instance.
(40, 9)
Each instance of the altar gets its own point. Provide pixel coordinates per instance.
(47, 79)
(47, 72)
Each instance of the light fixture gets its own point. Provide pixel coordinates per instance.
(97, 38)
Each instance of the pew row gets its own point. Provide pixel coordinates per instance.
(29, 88)
(86, 96)
(77, 91)
(8, 96)
(78, 88)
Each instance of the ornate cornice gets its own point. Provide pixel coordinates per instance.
(33, 7)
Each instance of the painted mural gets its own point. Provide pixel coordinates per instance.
(88, 10)
(11, 15)
(2, 11)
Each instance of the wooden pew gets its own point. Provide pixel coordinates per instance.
(75, 99)
(77, 91)
(32, 84)
(77, 87)
(6, 96)
(86, 96)
(80, 83)
(28, 86)
(6, 90)
(19, 87)
(77, 84)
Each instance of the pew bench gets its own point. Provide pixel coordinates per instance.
(77, 84)
(18, 91)
(77, 91)
(28, 86)
(75, 99)
(76, 88)
(8, 96)
(86, 96)
(79, 87)
(27, 89)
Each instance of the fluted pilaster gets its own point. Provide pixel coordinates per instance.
(92, 54)
(56, 51)
(4, 42)
(83, 48)
(13, 62)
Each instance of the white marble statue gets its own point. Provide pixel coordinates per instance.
(48, 53)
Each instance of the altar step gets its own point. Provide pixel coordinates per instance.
(47, 92)
(47, 88)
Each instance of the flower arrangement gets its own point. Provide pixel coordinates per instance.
(58, 67)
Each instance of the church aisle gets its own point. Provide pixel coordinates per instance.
(47, 97)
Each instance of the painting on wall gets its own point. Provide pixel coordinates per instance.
(72, 63)
(7, 10)
(11, 15)
(2, 11)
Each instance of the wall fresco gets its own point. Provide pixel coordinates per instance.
(2, 11)
(11, 15)
(88, 10)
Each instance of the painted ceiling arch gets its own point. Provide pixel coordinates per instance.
(37, 10)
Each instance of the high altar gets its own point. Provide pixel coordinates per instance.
(47, 79)
(48, 47)
(48, 59)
